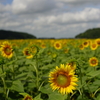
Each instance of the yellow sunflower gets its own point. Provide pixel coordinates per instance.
(98, 41)
(33, 49)
(43, 45)
(27, 53)
(27, 97)
(72, 64)
(93, 46)
(86, 43)
(6, 49)
(81, 47)
(63, 79)
(93, 61)
(57, 45)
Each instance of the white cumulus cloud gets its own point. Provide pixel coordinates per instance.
(50, 18)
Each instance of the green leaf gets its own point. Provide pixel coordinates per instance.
(57, 96)
(46, 89)
(93, 73)
(23, 94)
(81, 98)
(17, 86)
(3, 74)
(98, 97)
(38, 97)
(1, 89)
(21, 76)
(53, 95)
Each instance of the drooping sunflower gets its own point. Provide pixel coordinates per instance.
(27, 97)
(27, 53)
(93, 61)
(63, 79)
(66, 50)
(57, 45)
(6, 49)
(33, 50)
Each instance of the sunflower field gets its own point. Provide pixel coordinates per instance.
(50, 69)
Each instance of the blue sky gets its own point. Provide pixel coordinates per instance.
(50, 18)
(6, 1)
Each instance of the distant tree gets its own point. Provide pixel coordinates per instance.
(15, 35)
(90, 33)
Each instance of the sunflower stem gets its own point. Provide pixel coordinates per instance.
(4, 84)
(36, 69)
(2, 68)
(13, 73)
(5, 93)
(81, 79)
(68, 97)
(36, 75)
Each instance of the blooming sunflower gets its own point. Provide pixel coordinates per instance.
(27, 53)
(6, 50)
(63, 79)
(43, 45)
(81, 47)
(93, 46)
(27, 97)
(93, 61)
(57, 45)
(98, 41)
(86, 43)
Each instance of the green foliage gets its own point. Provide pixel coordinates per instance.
(20, 76)
(15, 35)
(90, 34)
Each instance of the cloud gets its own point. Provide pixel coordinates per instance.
(32, 6)
(87, 15)
(78, 2)
(50, 18)
(4, 8)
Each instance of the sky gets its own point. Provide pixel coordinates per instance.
(50, 18)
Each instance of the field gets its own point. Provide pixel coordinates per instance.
(50, 69)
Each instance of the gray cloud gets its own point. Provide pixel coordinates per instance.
(4, 8)
(32, 6)
(53, 18)
(78, 2)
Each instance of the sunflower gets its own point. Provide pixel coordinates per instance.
(27, 97)
(81, 47)
(72, 64)
(33, 49)
(27, 53)
(6, 49)
(63, 79)
(66, 50)
(57, 45)
(86, 43)
(93, 46)
(43, 45)
(93, 61)
(98, 41)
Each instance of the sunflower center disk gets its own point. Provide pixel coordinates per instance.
(62, 80)
(7, 50)
(93, 61)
